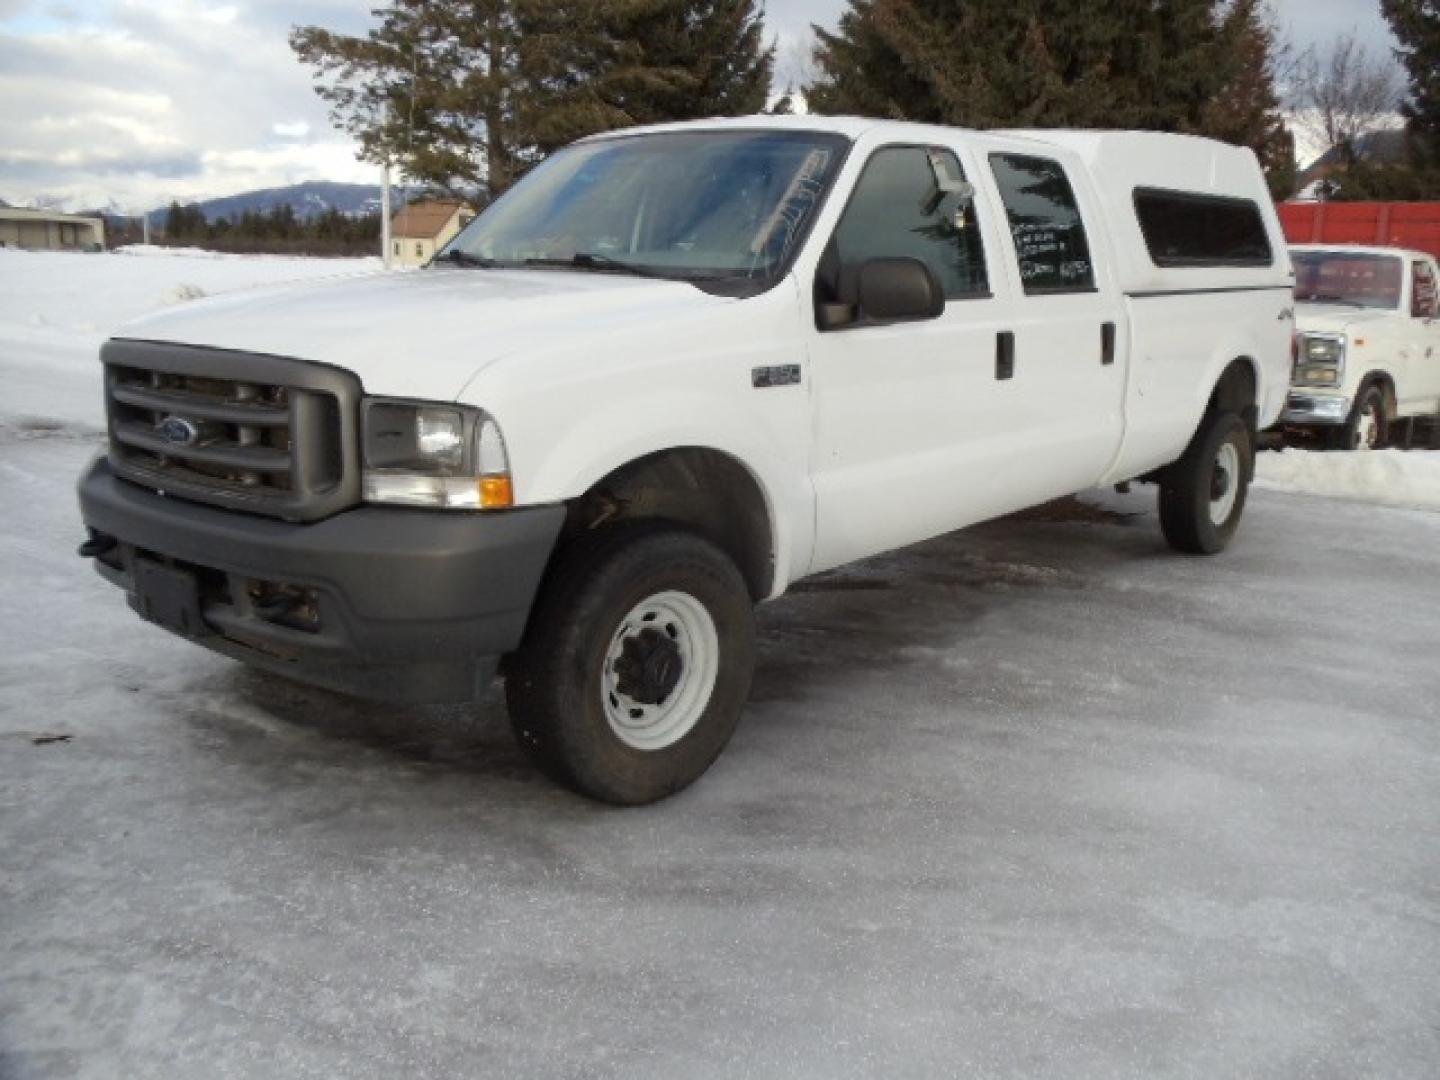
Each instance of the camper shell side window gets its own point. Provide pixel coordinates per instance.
(1184, 228)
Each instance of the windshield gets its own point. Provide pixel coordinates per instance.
(1349, 278)
(701, 206)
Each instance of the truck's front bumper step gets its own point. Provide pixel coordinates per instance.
(400, 605)
(1327, 409)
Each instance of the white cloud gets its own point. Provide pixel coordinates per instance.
(136, 103)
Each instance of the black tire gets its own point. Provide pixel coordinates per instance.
(556, 685)
(1190, 487)
(1348, 435)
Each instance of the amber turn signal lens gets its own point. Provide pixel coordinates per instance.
(496, 492)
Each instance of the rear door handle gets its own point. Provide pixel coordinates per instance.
(1107, 343)
(1005, 354)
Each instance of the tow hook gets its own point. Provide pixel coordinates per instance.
(98, 544)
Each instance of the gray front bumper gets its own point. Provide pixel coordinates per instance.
(414, 605)
(1307, 407)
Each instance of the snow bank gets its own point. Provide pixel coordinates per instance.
(1389, 477)
(56, 308)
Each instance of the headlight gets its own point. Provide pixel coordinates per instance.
(1320, 350)
(1319, 360)
(445, 456)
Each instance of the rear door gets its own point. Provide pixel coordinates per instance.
(1071, 345)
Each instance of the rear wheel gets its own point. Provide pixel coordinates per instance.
(636, 665)
(1367, 427)
(1203, 494)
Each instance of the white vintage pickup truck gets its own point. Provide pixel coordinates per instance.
(668, 374)
(1367, 343)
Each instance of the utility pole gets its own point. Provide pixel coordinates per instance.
(385, 191)
(385, 213)
(145, 227)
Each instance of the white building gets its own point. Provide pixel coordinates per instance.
(45, 230)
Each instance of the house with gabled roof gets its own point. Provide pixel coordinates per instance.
(422, 228)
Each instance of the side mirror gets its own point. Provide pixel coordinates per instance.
(898, 290)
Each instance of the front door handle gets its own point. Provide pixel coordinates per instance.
(1005, 354)
(1107, 343)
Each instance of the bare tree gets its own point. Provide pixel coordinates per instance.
(1345, 95)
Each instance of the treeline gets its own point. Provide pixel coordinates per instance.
(471, 93)
(280, 230)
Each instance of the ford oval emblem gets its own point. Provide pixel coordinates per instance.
(178, 430)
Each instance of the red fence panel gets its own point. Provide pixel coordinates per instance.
(1393, 224)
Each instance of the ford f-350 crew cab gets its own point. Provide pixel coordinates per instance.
(670, 372)
(1367, 343)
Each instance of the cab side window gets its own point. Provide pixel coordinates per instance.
(1045, 222)
(1423, 293)
(910, 201)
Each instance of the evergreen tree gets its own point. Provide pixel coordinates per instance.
(1197, 66)
(1246, 110)
(465, 93)
(713, 51)
(430, 87)
(1417, 26)
(595, 65)
(184, 222)
(174, 221)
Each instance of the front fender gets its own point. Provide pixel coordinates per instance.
(576, 463)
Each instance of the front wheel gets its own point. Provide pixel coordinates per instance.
(1203, 494)
(1367, 427)
(636, 664)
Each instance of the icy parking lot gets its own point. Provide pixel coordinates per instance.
(1036, 799)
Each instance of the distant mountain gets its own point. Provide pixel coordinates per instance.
(309, 200)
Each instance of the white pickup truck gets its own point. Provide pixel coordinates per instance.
(665, 376)
(1367, 344)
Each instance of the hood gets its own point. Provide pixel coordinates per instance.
(423, 334)
(1335, 318)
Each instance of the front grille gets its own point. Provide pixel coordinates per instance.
(263, 434)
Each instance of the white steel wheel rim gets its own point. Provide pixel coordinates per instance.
(1227, 460)
(646, 725)
(1367, 430)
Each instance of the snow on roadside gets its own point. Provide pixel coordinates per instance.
(1405, 478)
(56, 308)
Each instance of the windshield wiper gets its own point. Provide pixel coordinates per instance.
(464, 258)
(591, 260)
(1313, 299)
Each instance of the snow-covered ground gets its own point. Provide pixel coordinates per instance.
(57, 307)
(1409, 478)
(1037, 799)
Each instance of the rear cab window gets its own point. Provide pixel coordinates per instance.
(1051, 245)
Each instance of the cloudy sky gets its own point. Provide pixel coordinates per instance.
(132, 103)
